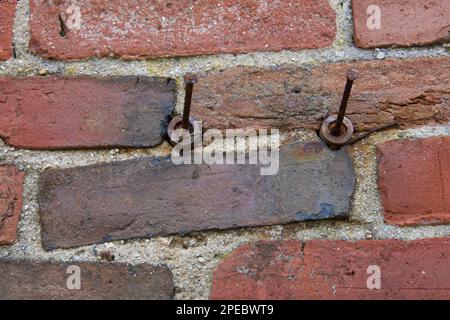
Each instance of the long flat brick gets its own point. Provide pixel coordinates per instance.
(319, 270)
(151, 197)
(59, 113)
(11, 189)
(299, 97)
(147, 29)
(414, 181)
(47, 280)
(401, 23)
(7, 12)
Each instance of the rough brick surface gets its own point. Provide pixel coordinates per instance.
(45, 280)
(142, 29)
(335, 270)
(56, 112)
(402, 23)
(414, 181)
(150, 197)
(11, 189)
(299, 97)
(7, 12)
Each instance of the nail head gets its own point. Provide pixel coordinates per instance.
(335, 142)
(190, 78)
(352, 75)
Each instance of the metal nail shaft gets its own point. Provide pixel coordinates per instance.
(336, 130)
(190, 80)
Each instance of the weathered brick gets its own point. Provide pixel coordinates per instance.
(11, 189)
(7, 12)
(414, 181)
(150, 197)
(142, 29)
(49, 280)
(401, 23)
(300, 97)
(335, 270)
(59, 112)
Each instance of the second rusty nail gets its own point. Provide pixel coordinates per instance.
(351, 76)
(190, 80)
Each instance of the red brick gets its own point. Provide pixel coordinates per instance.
(149, 197)
(59, 113)
(11, 189)
(403, 23)
(335, 270)
(299, 97)
(48, 280)
(414, 181)
(7, 12)
(146, 29)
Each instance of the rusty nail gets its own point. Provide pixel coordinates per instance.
(337, 127)
(184, 121)
(190, 80)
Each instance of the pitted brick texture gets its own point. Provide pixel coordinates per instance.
(150, 197)
(147, 29)
(21, 280)
(414, 181)
(81, 112)
(11, 189)
(323, 270)
(7, 12)
(401, 22)
(289, 97)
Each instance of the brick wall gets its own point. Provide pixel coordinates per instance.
(87, 90)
